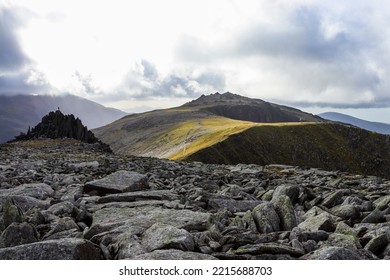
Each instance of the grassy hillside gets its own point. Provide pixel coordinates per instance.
(323, 145)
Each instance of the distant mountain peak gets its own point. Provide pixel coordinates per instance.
(224, 98)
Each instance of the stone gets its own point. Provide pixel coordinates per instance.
(173, 254)
(343, 240)
(382, 202)
(11, 212)
(108, 218)
(162, 236)
(61, 208)
(118, 182)
(346, 212)
(232, 205)
(139, 195)
(36, 190)
(333, 253)
(26, 202)
(323, 221)
(61, 249)
(333, 199)
(285, 211)
(289, 190)
(268, 248)
(18, 234)
(376, 216)
(377, 244)
(266, 218)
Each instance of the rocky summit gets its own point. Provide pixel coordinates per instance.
(66, 199)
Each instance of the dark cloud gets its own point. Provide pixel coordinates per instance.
(304, 38)
(27, 81)
(11, 55)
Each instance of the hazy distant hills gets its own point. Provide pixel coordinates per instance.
(231, 129)
(19, 112)
(383, 128)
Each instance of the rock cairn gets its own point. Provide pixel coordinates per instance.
(64, 199)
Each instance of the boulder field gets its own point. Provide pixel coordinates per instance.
(64, 199)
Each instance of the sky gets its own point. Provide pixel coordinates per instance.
(145, 54)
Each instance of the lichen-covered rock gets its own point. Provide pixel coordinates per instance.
(62, 249)
(161, 236)
(346, 212)
(118, 182)
(266, 218)
(285, 211)
(323, 221)
(233, 205)
(289, 190)
(336, 253)
(333, 199)
(18, 234)
(173, 254)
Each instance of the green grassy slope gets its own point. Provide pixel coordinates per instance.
(322, 145)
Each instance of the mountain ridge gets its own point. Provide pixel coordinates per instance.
(378, 127)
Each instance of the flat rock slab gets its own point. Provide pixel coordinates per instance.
(61, 249)
(118, 182)
(26, 202)
(146, 216)
(232, 205)
(173, 254)
(139, 196)
(36, 190)
(268, 248)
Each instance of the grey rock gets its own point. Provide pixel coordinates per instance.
(333, 199)
(374, 217)
(382, 202)
(268, 248)
(173, 254)
(161, 236)
(344, 240)
(18, 234)
(37, 190)
(285, 211)
(11, 212)
(266, 218)
(26, 202)
(61, 208)
(377, 244)
(289, 190)
(233, 205)
(62, 249)
(139, 196)
(333, 253)
(118, 182)
(346, 212)
(323, 221)
(109, 218)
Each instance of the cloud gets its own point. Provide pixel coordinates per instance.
(11, 55)
(17, 72)
(143, 81)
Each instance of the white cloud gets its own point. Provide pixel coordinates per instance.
(303, 52)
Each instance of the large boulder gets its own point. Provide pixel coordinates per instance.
(323, 221)
(61, 249)
(173, 254)
(266, 218)
(286, 213)
(18, 234)
(161, 236)
(118, 182)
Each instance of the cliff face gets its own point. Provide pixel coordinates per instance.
(57, 125)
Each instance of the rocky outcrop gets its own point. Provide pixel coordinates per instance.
(65, 199)
(57, 125)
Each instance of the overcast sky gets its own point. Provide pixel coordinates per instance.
(139, 54)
